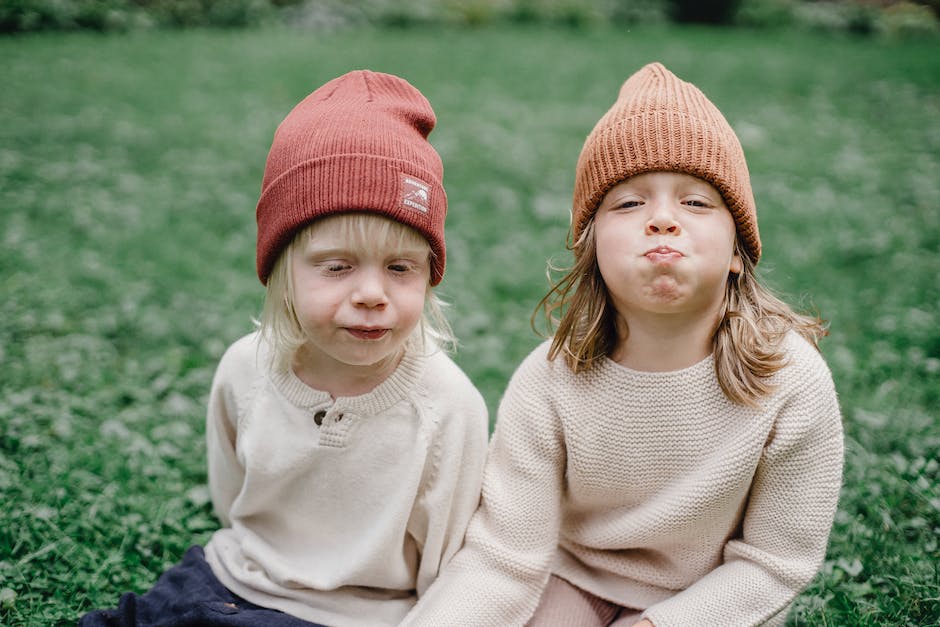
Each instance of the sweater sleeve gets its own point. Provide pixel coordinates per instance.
(498, 576)
(786, 523)
(226, 473)
(452, 491)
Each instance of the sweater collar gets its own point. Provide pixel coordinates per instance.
(392, 390)
(693, 372)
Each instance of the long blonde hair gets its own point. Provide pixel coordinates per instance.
(279, 324)
(746, 343)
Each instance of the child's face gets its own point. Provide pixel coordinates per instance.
(665, 245)
(357, 301)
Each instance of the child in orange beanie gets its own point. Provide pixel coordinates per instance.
(345, 450)
(673, 455)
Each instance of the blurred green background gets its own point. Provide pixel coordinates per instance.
(132, 143)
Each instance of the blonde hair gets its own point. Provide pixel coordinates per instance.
(279, 324)
(746, 343)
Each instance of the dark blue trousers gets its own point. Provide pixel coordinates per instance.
(189, 595)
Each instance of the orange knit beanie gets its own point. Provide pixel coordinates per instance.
(661, 123)
(358, 143)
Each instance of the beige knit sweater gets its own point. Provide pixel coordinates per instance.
(651, 490)
(348, 521)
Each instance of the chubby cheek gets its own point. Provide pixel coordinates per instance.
(313, 307)
(612, 259)
(411, 308)
(609, 273)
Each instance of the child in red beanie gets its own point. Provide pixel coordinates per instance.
(345, 449)
(673, 456)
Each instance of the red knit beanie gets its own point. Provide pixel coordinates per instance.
(358, 143)
(661, 123)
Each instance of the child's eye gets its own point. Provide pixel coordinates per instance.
(334, 267)
(400, 267)
(697, 203)
(629, 204)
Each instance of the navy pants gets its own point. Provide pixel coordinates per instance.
(189, 595)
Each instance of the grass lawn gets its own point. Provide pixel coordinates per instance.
(129, 171)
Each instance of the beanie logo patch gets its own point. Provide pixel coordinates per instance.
(415, 193)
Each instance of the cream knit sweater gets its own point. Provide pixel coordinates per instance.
(349, 521)
(651, 490)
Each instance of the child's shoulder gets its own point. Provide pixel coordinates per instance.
(247, 347)
(806, 369)
(802, 354)
(446, 379)
(538, 367)
(451, 403)
(537, 360)
(245, 357)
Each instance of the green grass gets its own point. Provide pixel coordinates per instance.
(130, 167)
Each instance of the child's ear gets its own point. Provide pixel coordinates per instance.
(736, 264)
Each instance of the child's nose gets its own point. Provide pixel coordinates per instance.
(370, 290)
(662, 222)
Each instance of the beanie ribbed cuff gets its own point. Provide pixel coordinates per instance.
(345, 183)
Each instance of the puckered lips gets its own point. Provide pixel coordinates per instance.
(663, 255)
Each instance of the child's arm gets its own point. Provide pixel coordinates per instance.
(786, 523)
(451, 490)
(498, 576)
(226, 474)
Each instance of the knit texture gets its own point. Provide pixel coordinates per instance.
(651, 490)
(341, 512)
(358, 143)
(661, 123)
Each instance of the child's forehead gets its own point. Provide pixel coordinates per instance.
(665, 178)
(361, 231)
(338, 242)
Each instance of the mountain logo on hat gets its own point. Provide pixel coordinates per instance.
(415, 193)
